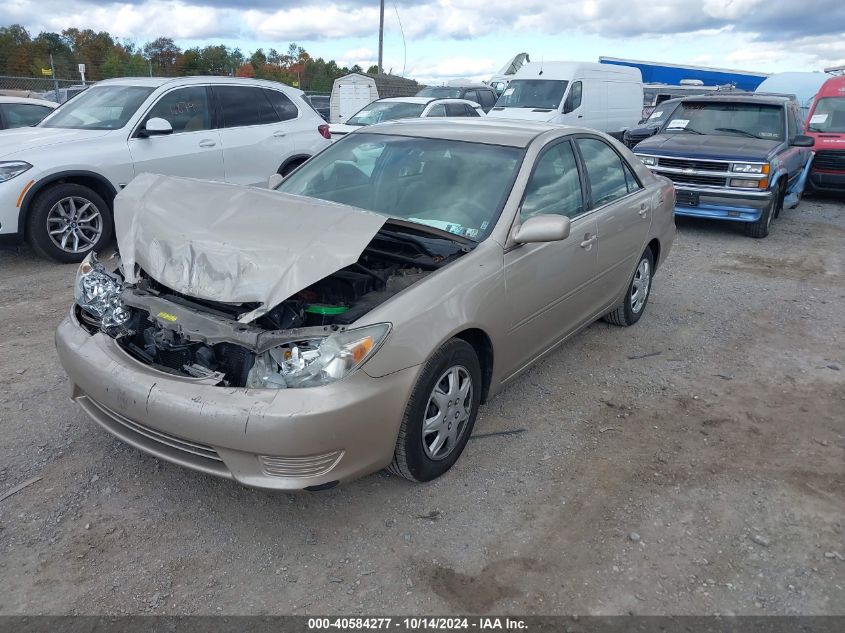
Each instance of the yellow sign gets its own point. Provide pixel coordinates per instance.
(167, 316)
(47, 72)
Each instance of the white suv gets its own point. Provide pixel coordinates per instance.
(58, 180)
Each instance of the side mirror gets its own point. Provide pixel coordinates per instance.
(803, 141)
(157, 127)
(542, 228)
(274, 181)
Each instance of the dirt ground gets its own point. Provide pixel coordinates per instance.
(692, 464)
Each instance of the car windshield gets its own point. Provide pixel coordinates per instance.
(456, 186)
(829, 115)
(99, 108)
(751, 120)
(440, 92)
(661, 113)
(533, 93)
(379, 111)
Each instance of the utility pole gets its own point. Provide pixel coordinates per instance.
(380, 36)
(151, 67)
(55, 81)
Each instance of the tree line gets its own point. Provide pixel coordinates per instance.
(22, 55)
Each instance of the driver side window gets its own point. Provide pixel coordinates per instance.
(186, 109)
(573, 99)
(554, 187)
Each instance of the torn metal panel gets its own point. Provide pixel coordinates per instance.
(235, 244)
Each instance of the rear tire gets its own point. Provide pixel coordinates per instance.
(636, 296)
(69, 214)
(422, 452)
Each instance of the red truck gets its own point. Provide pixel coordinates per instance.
(826, 124)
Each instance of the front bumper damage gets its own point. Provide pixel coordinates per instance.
(721, 204)
(288, 439)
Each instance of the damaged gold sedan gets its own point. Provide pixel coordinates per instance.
(356, 317)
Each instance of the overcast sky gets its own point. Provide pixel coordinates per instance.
(474, 38)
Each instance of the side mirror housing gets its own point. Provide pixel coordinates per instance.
(156, 127)
(802, 140)
(542, 228)
(274, 181)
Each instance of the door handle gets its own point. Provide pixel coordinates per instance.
(279, 134)
(643, 210)
(207, 142)
(588, 241)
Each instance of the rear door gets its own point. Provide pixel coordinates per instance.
(260, 129)
(193, 149)
(622, 209)
(549, 285)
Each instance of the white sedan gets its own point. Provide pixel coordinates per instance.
(394, 108)
(22, 112)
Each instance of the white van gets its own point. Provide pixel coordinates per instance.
(603, 97)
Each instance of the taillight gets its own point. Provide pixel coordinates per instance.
(324, 131)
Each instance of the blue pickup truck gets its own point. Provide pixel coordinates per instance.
(737, 157)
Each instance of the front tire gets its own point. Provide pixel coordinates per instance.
(440, 415)
(67, 221)
(760, 228)
(636, 297)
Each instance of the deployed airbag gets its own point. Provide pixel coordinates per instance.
(235, 244)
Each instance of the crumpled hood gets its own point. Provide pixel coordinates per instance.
(235, 244)
(23, 139)
(712, 146)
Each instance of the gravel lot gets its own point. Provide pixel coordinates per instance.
(692, 464)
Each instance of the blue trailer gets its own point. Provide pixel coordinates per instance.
(673, 74)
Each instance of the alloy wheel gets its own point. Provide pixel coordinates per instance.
(74, 224)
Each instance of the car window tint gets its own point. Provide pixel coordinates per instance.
(471, 95)
(437, 110)
(456, 109)
(604, 170)
(186, 109)
(245, 105)
(470, 111)
(573, 99)
(792, 124)
(488, 99)
(554, 186)
(285, 109)
(23, 114)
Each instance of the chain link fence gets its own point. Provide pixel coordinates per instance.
(37, 87)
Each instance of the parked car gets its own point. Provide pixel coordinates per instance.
(58, 180)
(651, 126)
(602, 97)
(22, 112)
(826, 125)
(737, 158)
(395, 108)
(357, 317)
(479, 93)
(321, 103)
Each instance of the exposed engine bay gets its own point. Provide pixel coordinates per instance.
(303, 341)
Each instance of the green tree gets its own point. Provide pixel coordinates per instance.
(164, 55)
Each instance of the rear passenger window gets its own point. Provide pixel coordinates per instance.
(456, 109)
(245, 105)
(471, 95)
(554, 187)
(633, 184)
(604, 171)
(284, 107)
(470, 111)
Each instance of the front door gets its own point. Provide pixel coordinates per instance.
(549, 284)
(193, 149)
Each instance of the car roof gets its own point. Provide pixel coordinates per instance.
(513, 133)
(422, 100)
(30, 101)
(156, 82)
(749, 97)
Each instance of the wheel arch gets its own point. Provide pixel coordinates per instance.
(654, 246)
(89, 179)
(483, 346)
(292, 162)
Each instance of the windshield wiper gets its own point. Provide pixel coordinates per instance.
(691, 130)
(737, 131)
